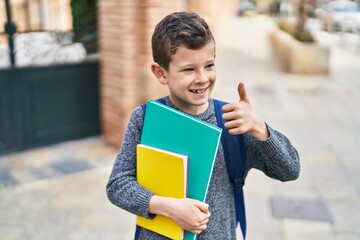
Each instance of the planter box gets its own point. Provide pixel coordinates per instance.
(299, 57)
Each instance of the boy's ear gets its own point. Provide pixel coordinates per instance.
(159, 73)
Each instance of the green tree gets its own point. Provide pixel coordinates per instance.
(84, 13)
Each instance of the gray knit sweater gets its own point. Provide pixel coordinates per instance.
(276, 157)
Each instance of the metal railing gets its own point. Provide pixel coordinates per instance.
(10, 30)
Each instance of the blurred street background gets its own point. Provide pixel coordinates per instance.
(62, 115)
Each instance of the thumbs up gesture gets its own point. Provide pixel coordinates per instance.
(242, 119)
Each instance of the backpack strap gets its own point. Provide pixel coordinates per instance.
(137, 232)
(160, 100)
(234, 153)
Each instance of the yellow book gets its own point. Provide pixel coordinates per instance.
(165, 174)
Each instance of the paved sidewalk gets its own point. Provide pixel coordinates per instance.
(321, 117)
(58, 192)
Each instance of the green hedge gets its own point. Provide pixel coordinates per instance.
(84, 14)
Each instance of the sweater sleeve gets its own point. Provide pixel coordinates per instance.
(276, 156)
(122, 189)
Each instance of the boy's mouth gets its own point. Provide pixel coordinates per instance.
(198, 91)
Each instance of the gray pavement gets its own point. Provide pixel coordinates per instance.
(58, 192)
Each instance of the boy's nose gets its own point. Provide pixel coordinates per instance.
(201, 77)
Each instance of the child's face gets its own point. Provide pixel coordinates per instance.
(191, 78)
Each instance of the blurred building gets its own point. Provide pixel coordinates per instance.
(100, 93)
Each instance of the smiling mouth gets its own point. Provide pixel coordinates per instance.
(199, 91)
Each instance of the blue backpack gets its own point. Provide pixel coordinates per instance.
(234, 153)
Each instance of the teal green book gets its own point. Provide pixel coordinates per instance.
(172, 130)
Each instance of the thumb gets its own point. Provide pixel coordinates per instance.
(242, 93)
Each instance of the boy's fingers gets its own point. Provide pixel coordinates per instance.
(232, 124)
(243, 98)
(205, 221)
(229, 107)
(204, 207)
(199, 229)
(242, 93)
(229, 116)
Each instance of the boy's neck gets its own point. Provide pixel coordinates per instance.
(192, 110)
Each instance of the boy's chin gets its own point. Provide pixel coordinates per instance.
(203, 103)
(198, 99)
(200, 102)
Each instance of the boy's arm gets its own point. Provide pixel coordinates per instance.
(122, 189)
(266, 149)
(276, 156)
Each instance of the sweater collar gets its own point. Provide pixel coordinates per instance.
(203, 116)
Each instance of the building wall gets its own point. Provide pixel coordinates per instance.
(125, 28)
(26, 15)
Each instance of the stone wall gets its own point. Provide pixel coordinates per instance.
(125, 28)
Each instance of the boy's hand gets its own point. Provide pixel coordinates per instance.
(189, 214)
(242, 119)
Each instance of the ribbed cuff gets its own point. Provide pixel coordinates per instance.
(144, 199)
(270, 144)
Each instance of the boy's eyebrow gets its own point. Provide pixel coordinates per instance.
(189, 64)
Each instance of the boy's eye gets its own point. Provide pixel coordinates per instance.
(187, 69)
(210, 65)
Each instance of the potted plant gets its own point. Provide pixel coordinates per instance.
(296, 48)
